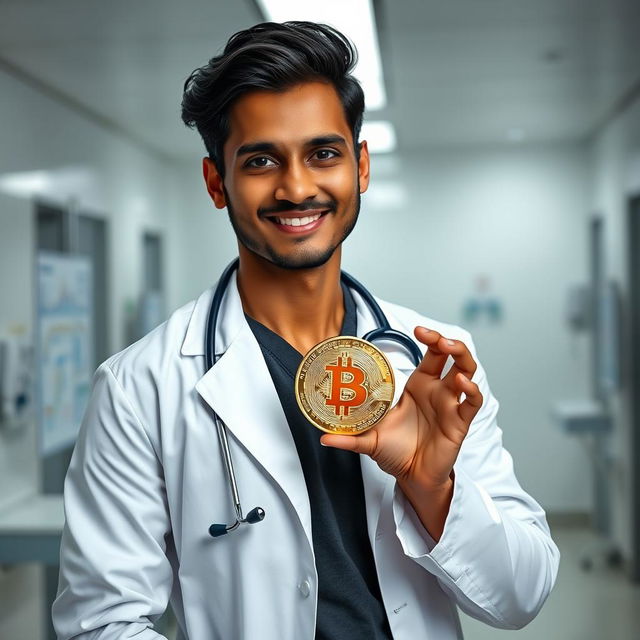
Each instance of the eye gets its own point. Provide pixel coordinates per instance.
(260, 162)
(325, 154)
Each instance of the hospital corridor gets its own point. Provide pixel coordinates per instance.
(320, 320)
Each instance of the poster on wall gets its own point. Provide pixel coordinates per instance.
(482, 306)
(65, 347)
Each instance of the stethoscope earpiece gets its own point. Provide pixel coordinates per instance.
(217, 530)
(383, 332)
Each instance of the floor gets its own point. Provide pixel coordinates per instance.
(599, 604)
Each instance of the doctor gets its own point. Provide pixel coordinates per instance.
(377, 536)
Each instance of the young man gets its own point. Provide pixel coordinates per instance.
(378, 535)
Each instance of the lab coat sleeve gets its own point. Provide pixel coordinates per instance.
(495, 558)
(115, 578)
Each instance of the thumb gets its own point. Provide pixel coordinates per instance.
(366, 442)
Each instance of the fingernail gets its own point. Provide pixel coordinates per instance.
(451, 342)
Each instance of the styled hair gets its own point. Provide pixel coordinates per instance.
(272, 57)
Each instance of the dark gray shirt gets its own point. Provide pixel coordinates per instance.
(349, 601)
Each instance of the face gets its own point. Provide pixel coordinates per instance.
(292, 182)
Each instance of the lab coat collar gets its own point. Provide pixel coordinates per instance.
(230, 320)
(397, 355)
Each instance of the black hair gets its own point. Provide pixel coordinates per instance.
(273, 57)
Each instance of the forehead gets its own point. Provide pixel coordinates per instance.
(286, 117)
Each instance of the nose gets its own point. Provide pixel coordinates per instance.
(296, 183)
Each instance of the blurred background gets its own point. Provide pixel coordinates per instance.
(505, 197)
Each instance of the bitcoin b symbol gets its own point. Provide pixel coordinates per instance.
(344, 385)
(347, 390)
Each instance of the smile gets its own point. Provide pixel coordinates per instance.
(300, 224)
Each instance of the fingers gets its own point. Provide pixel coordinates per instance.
(434, 359)
(468, 409)
(366, 442)
(438, 351)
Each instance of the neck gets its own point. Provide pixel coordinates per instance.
(303, 306)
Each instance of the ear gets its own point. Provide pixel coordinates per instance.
(363, 166)
(213, 180)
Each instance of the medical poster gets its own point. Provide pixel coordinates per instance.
(65, 347)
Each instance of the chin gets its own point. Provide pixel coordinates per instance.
(305, 260)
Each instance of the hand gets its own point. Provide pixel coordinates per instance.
(419, 439)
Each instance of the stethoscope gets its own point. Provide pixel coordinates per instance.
(383, 332)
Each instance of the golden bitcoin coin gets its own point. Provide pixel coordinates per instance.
(344, 385)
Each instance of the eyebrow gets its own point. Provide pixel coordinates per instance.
(270, 147)
(328, 139)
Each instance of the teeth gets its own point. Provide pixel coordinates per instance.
(298, 222)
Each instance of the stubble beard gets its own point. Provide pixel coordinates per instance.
(304, 259)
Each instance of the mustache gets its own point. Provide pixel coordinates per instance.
(307, 205)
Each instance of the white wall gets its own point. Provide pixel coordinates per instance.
(203, 242)
(615, 177)
(19, 472)
(426, 229)
(95, 169)
(517, 216)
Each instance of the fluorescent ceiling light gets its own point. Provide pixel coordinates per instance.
(26, 184)
(60, 184)
(355, 19)
(387, 193)
(380, 136)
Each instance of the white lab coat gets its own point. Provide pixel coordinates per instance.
(147, 479)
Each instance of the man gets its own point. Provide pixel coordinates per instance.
(378, 535)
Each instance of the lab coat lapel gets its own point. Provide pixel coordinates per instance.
(240, 390)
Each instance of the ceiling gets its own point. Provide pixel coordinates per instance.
(457, 72)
